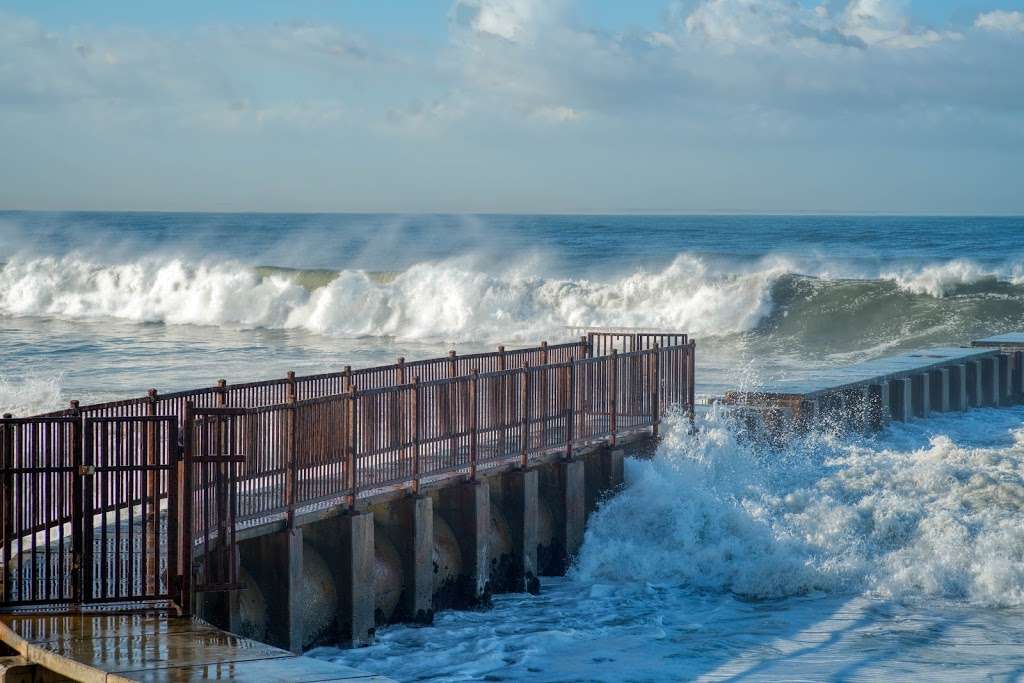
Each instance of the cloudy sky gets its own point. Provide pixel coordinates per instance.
(513, 105)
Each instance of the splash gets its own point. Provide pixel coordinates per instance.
(915, 517)
(30, 395)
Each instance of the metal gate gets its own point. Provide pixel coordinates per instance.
(89, 510)
(213, 456)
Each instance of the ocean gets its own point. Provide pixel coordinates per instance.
(892, 557)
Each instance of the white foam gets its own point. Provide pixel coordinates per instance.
(905, 518)
(30, 395)
(442, 300)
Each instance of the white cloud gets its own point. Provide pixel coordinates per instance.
(1001, 20)
(557, 114)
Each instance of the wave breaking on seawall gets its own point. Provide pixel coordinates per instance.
(912, 517)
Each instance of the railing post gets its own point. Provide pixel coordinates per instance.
(222, 391)
(475, 377)
(185, 512)
(416, 435)
(691, 364)
(347, 374)
(151, 477)
(544, 401)
(501, 410)
(584, 348)
(7, 456)
(570, 407)
(401, 370)
(524, 407)
(290, 457)
(655, 393)
(613, 391)
(352, 446)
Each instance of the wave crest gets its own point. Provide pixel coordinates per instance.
(449, 300)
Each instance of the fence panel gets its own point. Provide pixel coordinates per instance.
(39, 464)
(129, 516)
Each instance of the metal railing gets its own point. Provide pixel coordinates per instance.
(101, 504)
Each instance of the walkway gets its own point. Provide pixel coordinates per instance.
(156, 647)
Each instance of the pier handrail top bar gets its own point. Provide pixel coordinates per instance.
(871, 371)
(301, 379)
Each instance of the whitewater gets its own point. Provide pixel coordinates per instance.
(893, 557)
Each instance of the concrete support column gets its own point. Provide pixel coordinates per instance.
(1018, 374)
(520, 493)
(416, 550)
(902, 398)
(990, 381)
(975, 393)
(959, 391)
(922, 395)
(612, 464)
(875, 406)
(563, 485)
(941, 384)
(277, 558)
(467, 509)
(355, 578)
(1005, 378)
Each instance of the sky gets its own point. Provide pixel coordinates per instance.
(526, 106)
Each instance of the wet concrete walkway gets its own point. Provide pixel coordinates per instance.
(157, 647)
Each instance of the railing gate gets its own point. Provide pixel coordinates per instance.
(213, 456)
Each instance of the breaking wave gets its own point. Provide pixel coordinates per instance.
(462, 300)
(918, 516)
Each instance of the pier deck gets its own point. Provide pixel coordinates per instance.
(155, 647)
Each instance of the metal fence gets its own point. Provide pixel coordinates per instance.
(106, 504)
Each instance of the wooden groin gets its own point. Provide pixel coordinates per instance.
(311, 509)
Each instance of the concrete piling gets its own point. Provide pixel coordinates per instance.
(520, 491)
(902, 399)
(942, 383)
(467, 509)
(356, 619)
(276, 562)
(921, 395)
(415, 516)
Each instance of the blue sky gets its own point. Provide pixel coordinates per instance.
(513, 105)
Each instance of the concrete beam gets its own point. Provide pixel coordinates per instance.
(354, 565)
(520, 494)
(415, 515)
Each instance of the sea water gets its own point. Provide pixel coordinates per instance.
(892, 557)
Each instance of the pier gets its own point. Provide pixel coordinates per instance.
(869, 395)
(310, 510)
